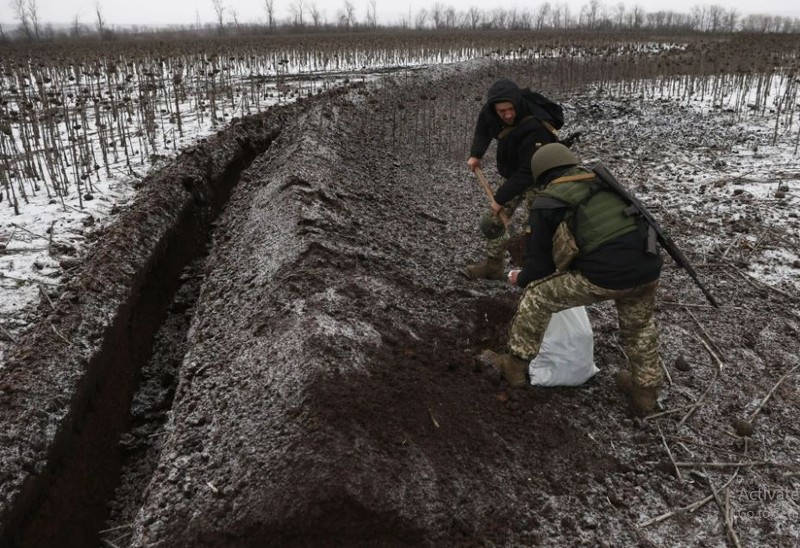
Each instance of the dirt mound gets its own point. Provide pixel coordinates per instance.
(330, 394)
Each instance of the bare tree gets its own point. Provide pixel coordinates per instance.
(619, 14)
(235, 18)
(450, 18)
(556, 20)
(566, 14)
(219, 10)
(789, 24)
(20, 10)
(542, 13)
(437, 14)
(474, 16)
(297, 9)
(512, 18)
(349, 13)
(372, 13)
(654, 20)
(76, 25)
(524, 19)
(699, 18)
(591, 11)
(499, 18)
(715, 15)
(421, 19)
(33, 15)
(731, 20)
(100, 22)
(636, 17)
(316, 15)
(269, 9)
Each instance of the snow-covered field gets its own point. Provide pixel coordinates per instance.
(41, 244)
(733, 171)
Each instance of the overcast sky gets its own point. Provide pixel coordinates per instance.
(187, 12)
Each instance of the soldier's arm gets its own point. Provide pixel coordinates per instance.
(538, 258)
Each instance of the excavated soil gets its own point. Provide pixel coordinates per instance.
(327, 391)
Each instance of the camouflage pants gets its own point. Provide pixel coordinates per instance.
(492, 227)
(635, 310)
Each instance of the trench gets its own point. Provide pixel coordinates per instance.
(70, 504)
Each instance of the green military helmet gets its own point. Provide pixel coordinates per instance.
(552, 155)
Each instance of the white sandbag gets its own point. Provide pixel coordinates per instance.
(566, 357)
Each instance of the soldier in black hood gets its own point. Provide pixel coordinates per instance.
(521, 121)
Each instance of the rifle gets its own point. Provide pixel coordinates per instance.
(485, 184)
(571, 139)
(654, 230)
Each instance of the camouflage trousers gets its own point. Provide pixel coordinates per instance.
(635, 311)
(493, 229)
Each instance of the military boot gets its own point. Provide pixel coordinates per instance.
(511, 367)
(642, 399)
(490, 269)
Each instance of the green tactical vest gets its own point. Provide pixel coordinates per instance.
(597, 214)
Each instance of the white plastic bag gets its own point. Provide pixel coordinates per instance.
(566, 357)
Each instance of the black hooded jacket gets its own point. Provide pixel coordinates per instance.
(515, 145)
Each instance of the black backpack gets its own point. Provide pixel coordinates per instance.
(543, 108)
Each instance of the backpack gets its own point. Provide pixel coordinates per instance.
(543, 108)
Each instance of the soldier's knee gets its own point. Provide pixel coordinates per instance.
(491, 227)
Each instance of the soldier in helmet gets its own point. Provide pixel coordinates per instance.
(583, 248)
(521, 121)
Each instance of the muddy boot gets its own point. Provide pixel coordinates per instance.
(490, 269)
(642, 399)
(511, 367)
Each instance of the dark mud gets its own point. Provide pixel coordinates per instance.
(329, 396)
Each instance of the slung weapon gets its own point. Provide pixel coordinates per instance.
(654, 230)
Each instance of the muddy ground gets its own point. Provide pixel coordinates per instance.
(326, 390)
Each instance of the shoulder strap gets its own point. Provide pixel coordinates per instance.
(547, 125)
(573, 178)
(550, 128)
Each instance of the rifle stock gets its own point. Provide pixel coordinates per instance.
(653, 227)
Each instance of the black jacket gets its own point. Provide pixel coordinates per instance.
(516, 147)
(619, 264)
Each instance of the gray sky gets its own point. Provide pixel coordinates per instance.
(167, 12)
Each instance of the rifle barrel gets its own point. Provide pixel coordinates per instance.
(665, 241)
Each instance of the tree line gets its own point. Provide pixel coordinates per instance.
(305, 15)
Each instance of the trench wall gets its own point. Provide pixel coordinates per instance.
(67, 387)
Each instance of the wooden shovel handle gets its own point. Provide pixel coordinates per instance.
(485, 184)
